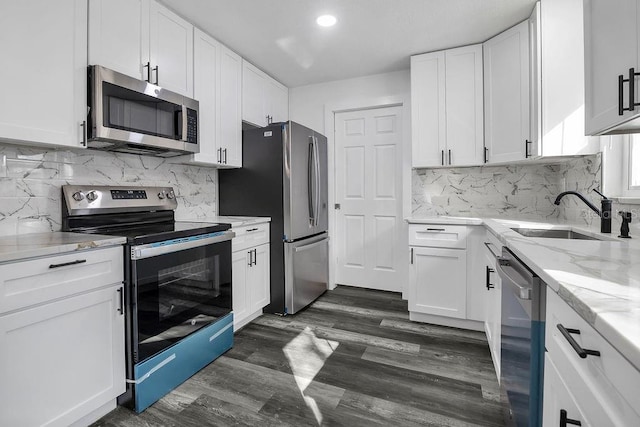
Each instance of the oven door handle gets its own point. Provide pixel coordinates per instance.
(176, 245)
(522, 292)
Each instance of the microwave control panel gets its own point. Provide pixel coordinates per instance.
(192, 126)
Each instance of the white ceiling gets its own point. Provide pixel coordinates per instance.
(371, 36)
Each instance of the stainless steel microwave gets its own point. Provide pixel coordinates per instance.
(134, 116)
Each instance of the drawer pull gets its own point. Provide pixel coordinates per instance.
(564, 421)
(582, 352)
(431, 230)
(64, 264)
(252, 229)
(121, 308)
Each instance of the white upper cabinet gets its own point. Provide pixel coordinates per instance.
(170, 50)
(119, 36)
(43, 80)
(264, 100)
(506, 95)
(562, 81)
(144, 40)
(611, 50)
(446, 104)
(217, 87)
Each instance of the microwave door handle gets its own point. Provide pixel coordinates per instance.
(182, 124)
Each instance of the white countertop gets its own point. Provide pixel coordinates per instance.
(240, 221)
(23, 246)
(599, 279)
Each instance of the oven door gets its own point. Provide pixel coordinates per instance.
(178, 287)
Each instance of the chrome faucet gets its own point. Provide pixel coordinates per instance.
(604, 214)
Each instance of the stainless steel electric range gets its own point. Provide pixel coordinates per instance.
(177, 283)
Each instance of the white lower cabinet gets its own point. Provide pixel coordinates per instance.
(600, 389)
(445, 286)
(64, 359)
(492, 297)
(251, 283)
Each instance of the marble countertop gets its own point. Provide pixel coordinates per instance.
(600, 279)
(240, 221)
(23, 246)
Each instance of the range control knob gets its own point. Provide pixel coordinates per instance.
(91, 196)
(78, 196)
(171, 195)
(161, 195)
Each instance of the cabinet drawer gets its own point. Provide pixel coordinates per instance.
(249, 236)
(610, 375)
(35, 281)
(438, 236)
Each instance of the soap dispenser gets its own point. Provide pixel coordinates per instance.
(624, 227)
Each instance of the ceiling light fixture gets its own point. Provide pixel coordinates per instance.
(326, 20)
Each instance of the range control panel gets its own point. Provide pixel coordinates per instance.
(85, 200)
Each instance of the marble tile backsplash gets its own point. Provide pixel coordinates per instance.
(524, 191)
(31, 178)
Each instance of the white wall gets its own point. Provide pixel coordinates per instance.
(307, 103)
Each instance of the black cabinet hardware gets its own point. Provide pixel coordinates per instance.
(565, 421)
(65, 264)
(411, 255)
(255, 257)
(121, 308)
(527, 152)
(488, 284)
(156, 69)
(148, 67)
(449, 157)
(488, 245)
(252, 229)
(486, 154)
(435, 229)
(583, 353)
(225, 156)
(83, 125)
(442, 157)
(632, 89)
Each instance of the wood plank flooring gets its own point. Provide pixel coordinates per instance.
(352, 358)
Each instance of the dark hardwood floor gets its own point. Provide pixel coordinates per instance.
(352, 358)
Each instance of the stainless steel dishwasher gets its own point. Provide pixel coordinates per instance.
(522, 348)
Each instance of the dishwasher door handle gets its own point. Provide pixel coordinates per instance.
(523, 292)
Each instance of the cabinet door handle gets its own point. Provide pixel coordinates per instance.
(442, 157)
(411, 255)
(250, 260)
(148, 67)
(65, 264)
(582, 352)
(225, 156)
(434, 229)
(565, 421)
(121, 308)
(486, 155)
(255, 257)
(252, 229)
(527, 152)
(157, 70)
(489, 285)
(632, 89)
(83, 125)
(218, 154)
(621, 81)
(449, 157)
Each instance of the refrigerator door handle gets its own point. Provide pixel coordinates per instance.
(310, 181)
(316, 211)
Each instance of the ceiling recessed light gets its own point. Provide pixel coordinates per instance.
(326, 20)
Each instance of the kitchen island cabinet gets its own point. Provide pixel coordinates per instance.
(62, 357)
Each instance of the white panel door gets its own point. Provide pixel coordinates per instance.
(428, 121)
(43, 77)
(464, 106)
(119, 36)
(506, 94)
(171, 50)
(438, 282)
(368, 167)
(611, 49)
(230, 111)
(205, 89)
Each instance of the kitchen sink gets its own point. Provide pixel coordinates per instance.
(553, 233)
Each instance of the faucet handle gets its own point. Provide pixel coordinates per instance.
(602, 195)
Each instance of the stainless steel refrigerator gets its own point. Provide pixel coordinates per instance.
(284, 176)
